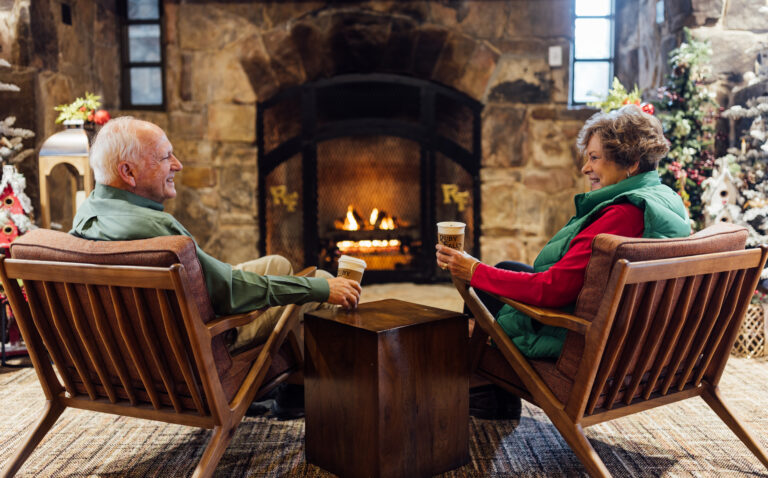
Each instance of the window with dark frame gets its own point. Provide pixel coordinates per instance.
(142, 53)
(593, 49)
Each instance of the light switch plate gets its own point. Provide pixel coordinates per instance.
(555, 56)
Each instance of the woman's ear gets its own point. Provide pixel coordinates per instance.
(127, 174)
(634, 168)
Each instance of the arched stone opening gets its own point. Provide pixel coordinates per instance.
(346, 41)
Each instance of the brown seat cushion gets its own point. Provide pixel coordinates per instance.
(607, 249)
(48, 245)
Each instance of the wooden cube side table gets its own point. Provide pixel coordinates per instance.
(386, 390)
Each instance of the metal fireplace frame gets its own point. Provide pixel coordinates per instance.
(425, 133)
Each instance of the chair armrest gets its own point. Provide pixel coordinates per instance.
(553, 317)
(308, 272)
(222, 324)
(227, 322)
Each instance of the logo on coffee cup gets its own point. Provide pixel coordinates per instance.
(454, 241)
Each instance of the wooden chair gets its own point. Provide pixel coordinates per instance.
(653, 324)
(130, 330)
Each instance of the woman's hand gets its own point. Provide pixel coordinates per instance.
(459, 263)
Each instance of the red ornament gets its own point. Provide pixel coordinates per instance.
(8, 200)
(648, 108)
(8, 232)
(101, 117)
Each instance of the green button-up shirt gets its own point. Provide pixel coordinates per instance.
(111, 214)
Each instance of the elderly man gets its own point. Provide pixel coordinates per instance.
(134, 167)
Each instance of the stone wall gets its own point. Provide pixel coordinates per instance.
(53, 63)
(223, 57)
(736, 29)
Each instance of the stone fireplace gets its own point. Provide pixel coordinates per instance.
(365, 165)
(227, 60)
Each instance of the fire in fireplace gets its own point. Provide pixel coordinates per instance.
(365, 165)
(381, 240)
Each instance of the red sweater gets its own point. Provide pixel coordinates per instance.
(560, 284)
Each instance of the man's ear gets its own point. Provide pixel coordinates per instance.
(126, 172)
(634, 168)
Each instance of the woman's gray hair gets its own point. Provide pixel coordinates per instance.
(117, 141)
(628, 136)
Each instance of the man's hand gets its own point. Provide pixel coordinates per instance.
(459, 263)
(344, 292)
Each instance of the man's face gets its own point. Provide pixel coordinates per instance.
(155, 171)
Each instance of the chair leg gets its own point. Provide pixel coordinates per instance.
(574, 436)
(214, 451)
(51, 413)
(715, 402)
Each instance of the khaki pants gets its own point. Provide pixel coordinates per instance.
(259, 329)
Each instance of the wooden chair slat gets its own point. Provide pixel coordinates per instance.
(651, 346)
(133, 347)
(118, 276)
(182, 359)
(710, 317)
(49, 338)
(67, 338)
(82, 328)
(628, 352)
(729, 307)
(648, 271)
(681, 311)
(626, 313)
(153, 351)
(106, 337)
(690, 327)
(40, 359)
(753, 277)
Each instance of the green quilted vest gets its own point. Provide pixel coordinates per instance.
(664, 216)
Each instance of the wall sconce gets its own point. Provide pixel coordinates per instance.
(69, 147)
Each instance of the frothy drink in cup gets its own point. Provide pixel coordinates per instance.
(451, 234)
(351, 268)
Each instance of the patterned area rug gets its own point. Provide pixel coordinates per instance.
(683, 439)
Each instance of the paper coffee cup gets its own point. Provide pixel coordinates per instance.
(351, 268)
(451, 234)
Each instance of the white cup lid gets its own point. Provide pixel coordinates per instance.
(451, 226)
(352, 261)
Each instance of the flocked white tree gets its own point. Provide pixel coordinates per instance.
(12, 149)
(748, 167)
(16, 205)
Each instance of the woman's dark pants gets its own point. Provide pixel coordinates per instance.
(491, 401)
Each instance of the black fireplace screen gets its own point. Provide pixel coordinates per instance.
(365, 165)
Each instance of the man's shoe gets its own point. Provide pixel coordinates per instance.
(490, 402)
(263, 405)
(289, 402)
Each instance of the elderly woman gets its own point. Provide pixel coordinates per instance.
(621, 151)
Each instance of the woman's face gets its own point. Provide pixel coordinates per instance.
(600, 170)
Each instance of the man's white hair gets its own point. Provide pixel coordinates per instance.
(117, 141)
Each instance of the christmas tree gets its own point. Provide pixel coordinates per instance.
(688, 112)
(15, 206)
(746, 165)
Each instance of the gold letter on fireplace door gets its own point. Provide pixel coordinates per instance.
(279, 195)
(451, 194)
